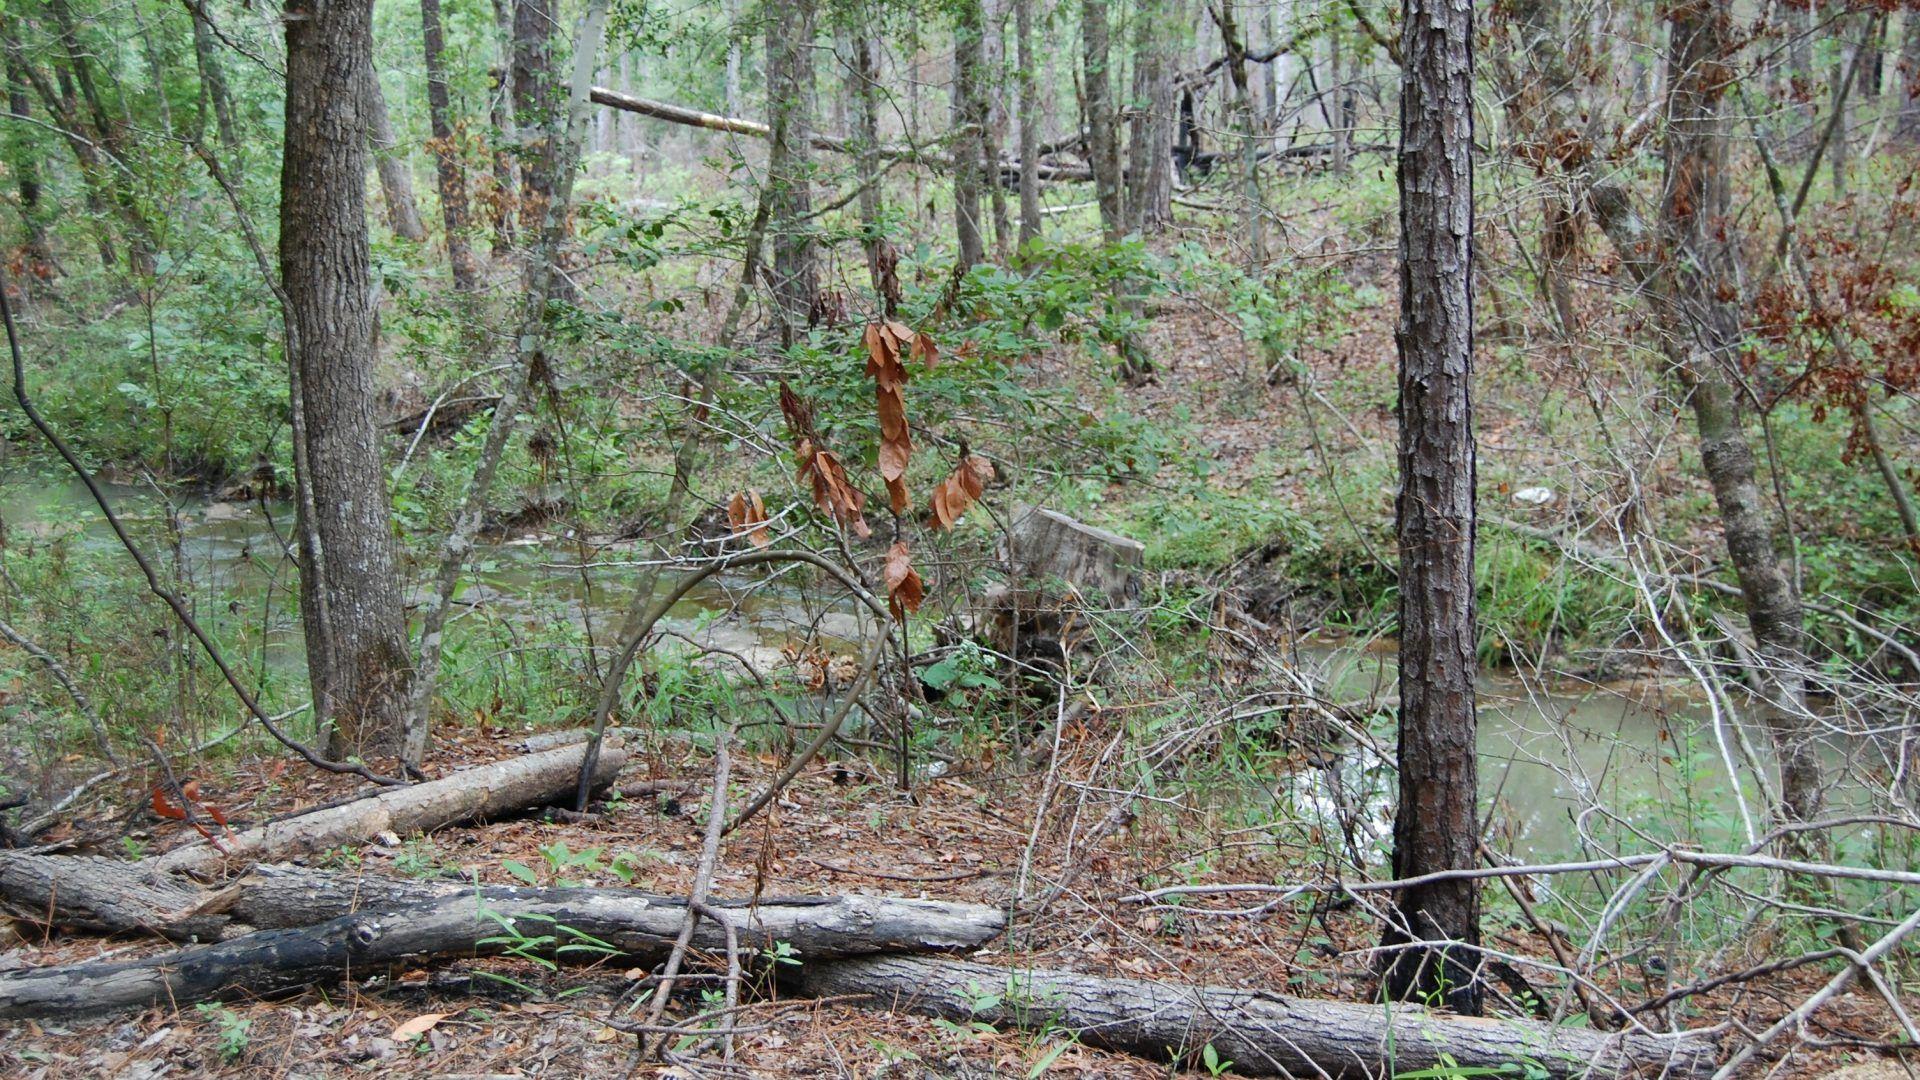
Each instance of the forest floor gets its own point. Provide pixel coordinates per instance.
(839, 828)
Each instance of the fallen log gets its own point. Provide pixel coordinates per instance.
(111, 896)
(1262, 1034)
(562, 924)
(503, 787)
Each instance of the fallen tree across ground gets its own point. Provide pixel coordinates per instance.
(111, 896)
(486, 791)
(1262, 1034)
(572, 924)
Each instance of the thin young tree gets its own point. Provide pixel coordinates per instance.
(449, 174)
(1436, 826)
(1029, 103)
(970, 120)
(356, 629)
(390, 164)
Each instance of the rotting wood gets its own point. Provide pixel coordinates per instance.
(1263, 1034)
(595, 923)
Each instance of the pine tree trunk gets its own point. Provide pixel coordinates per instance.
(450, 175)
(790, 35)
(389, 161)
(350, 595)
(1436, 826)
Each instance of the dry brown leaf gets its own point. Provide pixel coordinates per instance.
(746, 512)
(905, 591)
(960, 490)
(417, 1026)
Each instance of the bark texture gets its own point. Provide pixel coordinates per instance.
(450, 176)
(1150, 123)
(1436, 826)
(790, 33)
(535, 100)
(356, 631)
(482, 922)
(970, 123)
(1262, 1034)
(1103, 136)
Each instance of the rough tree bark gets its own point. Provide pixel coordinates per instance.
(1103, 136)
(1150, 128)
(356, 630)
(1436, 826)
(534, 100)
(451, 177)
(1262, 1034)
(389, 160)
(789, 162)
(970, 120)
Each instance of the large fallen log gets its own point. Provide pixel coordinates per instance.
(112, 896)
(565, 924)
(1262, 1034)
(495, 790)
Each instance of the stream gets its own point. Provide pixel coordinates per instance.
(1643, 750)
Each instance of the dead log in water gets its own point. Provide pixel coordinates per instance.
(1262, 1034)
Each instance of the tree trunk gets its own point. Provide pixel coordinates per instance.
(1700, 255)
(390, 163)
(1436, 826)
(1256, 211)
(594, 925)
(1906, 82)
(1260, 1033)
(1030, 122)
(789, 166)
(506, 191)
(448, 172)
(356, 629)
(993, 137)
(734, 47)
(1150, 145)
(23, 158)
(1103, 136)
(534, 101)
(213, 84)
(865, 76)
(970, 118)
